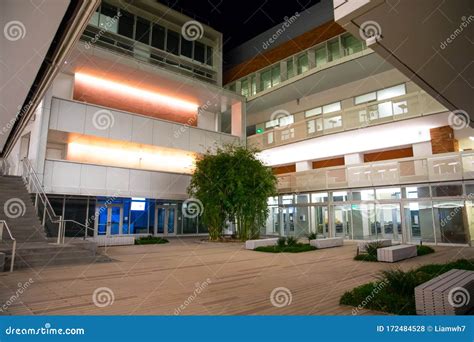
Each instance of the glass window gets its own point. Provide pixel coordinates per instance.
(302, 198)
(321, 56)
(311, 126)
(232, 87)
(470, 191)
(244, 90)
(272, 200)
(388, 93)
(332, 107)
(289, 68)
(363, 222)
(209, 55)
(319, 197)
(449, 221)
(272, 123)
(138, 223)
(158, 37)
(107, 19)
(253, 85)
(333, 50)
(275, 75)
(388, 193)
(333, 122)
(384, 109)
(142, 33)
(365, 98)
(313, 112)
(447, 190)
(265, 79)
(417, 192)
(75, 209)
(187, 48)
(351, 44)
(419, 221)
(363, 195)
(199, 49)
(125, 24)
(286, 120)
(340, 196)
(287, 199)
(303, 64)
(172, 42)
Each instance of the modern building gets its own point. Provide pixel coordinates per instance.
(361, 149)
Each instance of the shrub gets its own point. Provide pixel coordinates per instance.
(423, 250)
(150, 240)
(312, 236)
(281, 241)
(365, 257)
(286, 249)
(371, 248)
(404, 282)
(291, 241)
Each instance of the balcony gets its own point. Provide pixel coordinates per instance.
(365, 115)
(445, 167)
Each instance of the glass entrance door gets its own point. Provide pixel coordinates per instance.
(388, 221)
(288, 218)
(319, 220)
(110, 221)
(342, 221)
(165, 220)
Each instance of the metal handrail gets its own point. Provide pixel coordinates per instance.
(86, 228)
(31, 178)
(3, 224)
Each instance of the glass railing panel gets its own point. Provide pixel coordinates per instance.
(310, 180)
(336, 178)
(384, 173)
(284, 182)
(468, 165)
(359, 175)
(413, 170)
(429, 105)
(332, 122)
(445, 168)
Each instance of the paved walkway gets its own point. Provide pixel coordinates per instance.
(189, 277)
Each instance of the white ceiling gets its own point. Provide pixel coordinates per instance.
(27, 29)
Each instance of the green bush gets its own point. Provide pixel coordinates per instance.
(291, 241)
(281, 241)
(365, 257)
(371, 248)
(397, 288)
(312, 236)
(286, 249)
(150, 240)
(423, 250)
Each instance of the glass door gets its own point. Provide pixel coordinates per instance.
(319, 220)
(165, 220)
(114, 219)
(342, 221)
(288, 221)
(388, 221)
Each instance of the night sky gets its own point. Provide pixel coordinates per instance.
(241, 20)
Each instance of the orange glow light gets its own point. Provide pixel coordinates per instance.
(136, 92)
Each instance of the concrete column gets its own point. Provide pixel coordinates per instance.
(304, 166)
(422, 149)
(353, 158)
(238, 120)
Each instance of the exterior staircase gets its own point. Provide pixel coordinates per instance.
(34, 248)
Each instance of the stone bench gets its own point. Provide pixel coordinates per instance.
(451, 293)
(362, 245)
(327, 243)
(396, 253)
(252, 244)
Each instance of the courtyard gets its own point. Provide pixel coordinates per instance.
(189, 276)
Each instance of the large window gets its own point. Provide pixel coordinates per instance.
(158, 37)
(351, 45)
(303, 64)
(142, 33)
(270, 77)
(172, 42)
(326, 109)
(125, 25)
(199, 52)
(381, 95)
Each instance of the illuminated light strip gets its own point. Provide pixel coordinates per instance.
(145, 94)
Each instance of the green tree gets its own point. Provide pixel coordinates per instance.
(233, 184)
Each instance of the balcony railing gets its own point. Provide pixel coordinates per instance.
(445, 167)
(398, 108)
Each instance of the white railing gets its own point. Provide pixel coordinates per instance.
(4, 225)
(33, 183)
(443, 167)
(398, 108)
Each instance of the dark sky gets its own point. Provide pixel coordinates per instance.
(241, 20)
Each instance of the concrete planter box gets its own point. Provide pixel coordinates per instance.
(252, 244)
(451, 293)
(396, 253)
(327, 243)
(382, 242)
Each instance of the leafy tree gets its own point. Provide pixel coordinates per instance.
(233, 184)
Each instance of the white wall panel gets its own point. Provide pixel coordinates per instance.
(71, 117)
(94, 179)
(122, 127)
